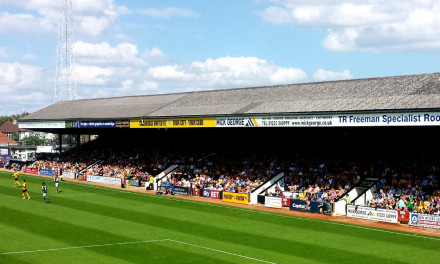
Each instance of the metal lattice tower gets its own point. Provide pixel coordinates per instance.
(65, 84)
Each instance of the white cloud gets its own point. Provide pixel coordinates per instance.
(126, 85)
(93, 26)
(341, 40)
(92, 75)
(168, 12)
(323, 75)
(20, 87)
(14, 76)
(364, 24)
(149, 86)
(286, 75)
(42, 16)
(226, 72)
(28, 102)
(154, 52)
(24, 23)
(169, 72)
(104, 54)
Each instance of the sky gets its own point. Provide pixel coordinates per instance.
(139, 47)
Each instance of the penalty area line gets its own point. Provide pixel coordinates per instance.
(81, 247)
(220, 251)
(136, 242)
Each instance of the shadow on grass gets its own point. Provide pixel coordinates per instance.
(331, 228)
(76, 235)
(259, 242)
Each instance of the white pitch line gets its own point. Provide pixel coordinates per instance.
(135, 242)
(260, 212)
(80, 247)
(220, 251)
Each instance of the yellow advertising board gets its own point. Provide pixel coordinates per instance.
(236, 197)
(173, 123)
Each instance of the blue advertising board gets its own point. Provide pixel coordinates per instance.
(46, 172)
(206, 193)
(5, 154)
(181, 190)
(133, 183)
(98, 124)
(309, 206)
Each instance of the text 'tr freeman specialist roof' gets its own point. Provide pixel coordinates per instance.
(397, 93)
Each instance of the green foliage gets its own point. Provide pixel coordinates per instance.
(33, 140)
(4, 119)
(16, 137)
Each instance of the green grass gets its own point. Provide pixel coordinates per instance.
(88, 224)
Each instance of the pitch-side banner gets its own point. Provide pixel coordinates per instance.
(343, 120)
(425, 220)
(31, 170)
(47, 172)
(369, 213)
(173, 123)
(274, 202)
(106, 180)
(68, 174)
(5, 153)
(236, 197)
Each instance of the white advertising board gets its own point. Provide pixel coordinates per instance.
(425, 220)
(68, 174)
(274, 202)
(342, 120)
(373, 214)
(106, 180)
(46, 124)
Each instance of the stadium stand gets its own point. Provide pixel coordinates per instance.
(315, 172)
(318, 163)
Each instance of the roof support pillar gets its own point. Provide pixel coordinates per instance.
(60, 142)
(78, 138)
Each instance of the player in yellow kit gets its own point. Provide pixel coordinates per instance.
(16, 174)
(24, 191)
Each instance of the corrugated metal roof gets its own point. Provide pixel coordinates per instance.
(407, 92)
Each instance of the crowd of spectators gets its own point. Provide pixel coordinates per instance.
(230, 171)
(321, 180)
(314, 176)
(433, 206)
(11, 165)
(411, 189)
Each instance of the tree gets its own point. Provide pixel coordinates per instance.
(15, 137)
(4, 119)
(33, 140)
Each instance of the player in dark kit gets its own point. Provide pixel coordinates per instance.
(44, 191)
(57, 182)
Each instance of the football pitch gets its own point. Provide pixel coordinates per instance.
(91, 224)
